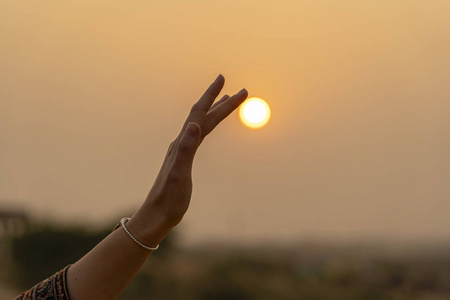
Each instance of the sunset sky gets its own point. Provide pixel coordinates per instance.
(93, 92)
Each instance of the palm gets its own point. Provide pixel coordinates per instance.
(172, 189)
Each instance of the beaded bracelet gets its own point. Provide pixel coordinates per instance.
(122, 222)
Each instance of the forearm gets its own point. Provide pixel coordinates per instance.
(105, 271)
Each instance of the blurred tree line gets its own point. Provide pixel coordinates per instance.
(241, 274)
(46, 248)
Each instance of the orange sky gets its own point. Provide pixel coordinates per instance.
(93, 92)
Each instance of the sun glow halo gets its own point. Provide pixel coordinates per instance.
(254, 112)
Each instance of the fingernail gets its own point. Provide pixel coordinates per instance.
(192, 129)
(242, 91)
(220, 75)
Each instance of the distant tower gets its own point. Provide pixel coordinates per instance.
(12, 223)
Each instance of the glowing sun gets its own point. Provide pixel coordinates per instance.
(254, 112)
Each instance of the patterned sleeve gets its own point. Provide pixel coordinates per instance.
(54, 287)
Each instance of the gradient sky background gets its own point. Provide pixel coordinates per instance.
(93, 92)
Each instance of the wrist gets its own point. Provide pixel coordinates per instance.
(149, 229)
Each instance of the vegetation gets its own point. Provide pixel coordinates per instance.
(304, 272)
(45, 249)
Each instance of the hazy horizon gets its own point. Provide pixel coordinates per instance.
(93, 92)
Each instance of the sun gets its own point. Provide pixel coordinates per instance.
(254, 113)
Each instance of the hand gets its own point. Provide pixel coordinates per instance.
(170, 195)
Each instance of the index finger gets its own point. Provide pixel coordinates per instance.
(207, 99)
(201, 107)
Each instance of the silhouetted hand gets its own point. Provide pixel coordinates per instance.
(170, 195)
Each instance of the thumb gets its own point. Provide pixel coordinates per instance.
(188, 145)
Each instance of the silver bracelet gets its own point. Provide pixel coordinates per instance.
(122, 222)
